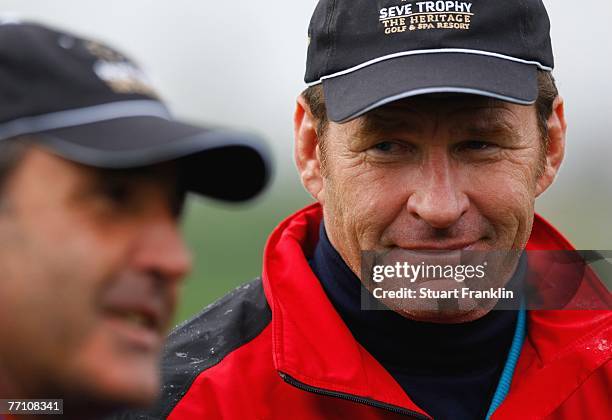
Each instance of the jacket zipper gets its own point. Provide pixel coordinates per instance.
(373, 403)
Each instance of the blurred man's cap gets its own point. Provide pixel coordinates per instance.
(91, 104)
(370, 53)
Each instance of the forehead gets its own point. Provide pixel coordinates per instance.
(41, 164)
(162, 173)
(414, 113)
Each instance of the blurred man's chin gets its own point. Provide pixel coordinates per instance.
(111, 384)
(119, 365)
(105, 399)
(134, 394)
(128, 383)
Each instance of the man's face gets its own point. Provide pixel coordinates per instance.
(91, 263)
(428, 173)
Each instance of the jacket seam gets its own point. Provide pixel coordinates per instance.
(194, 376)
(189, 384)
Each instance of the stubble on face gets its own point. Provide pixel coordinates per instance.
(431, 172)
(66, 246)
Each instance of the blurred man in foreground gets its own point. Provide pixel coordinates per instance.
(93, 176)
(429, 128)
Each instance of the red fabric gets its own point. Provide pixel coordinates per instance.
(563, 371)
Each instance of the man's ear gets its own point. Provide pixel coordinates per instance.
(557, 128)
(306, 152)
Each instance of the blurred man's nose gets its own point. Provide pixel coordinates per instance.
(161, 249)
(437, 198)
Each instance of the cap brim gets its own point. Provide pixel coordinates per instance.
(222, 164)
(351, 95)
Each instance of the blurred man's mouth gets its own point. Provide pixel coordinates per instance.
(138, 311)
(140, 324)
(137, 334)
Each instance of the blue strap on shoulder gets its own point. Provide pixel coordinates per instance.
(513, 355)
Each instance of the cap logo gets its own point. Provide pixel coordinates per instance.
(425, 15)
(120, 74)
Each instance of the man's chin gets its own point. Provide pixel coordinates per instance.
(438, 316)
(136, 387)
(107, 384)
(97, 400)
(453, 310)
(116, 368)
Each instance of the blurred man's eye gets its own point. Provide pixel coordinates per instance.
(117, 192)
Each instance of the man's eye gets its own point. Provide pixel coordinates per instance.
(475, 145)
(118, 193)
(385, 146)
(389, 147)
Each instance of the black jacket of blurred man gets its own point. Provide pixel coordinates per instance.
(93, 175)
(428, 130)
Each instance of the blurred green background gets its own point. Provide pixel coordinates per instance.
(227, 242)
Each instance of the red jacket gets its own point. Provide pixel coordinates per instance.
(276, 349)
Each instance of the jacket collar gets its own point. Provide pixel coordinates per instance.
(313, 345)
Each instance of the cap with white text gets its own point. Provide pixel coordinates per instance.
(369, 53)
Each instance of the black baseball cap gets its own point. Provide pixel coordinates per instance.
(91, 104)
(370, 53)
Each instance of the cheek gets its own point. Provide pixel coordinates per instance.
(57, 296)
(504, 195)
(47, 307)
(52, 306)
(362, 202)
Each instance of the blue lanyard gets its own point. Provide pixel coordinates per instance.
(513, 355)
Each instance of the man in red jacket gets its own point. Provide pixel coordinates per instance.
(427, 125)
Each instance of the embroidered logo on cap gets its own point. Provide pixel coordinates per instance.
(119, 73)
(425, 15)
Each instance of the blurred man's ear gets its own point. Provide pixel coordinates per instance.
(557, 128)
(307, 152)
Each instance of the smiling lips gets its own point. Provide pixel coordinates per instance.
(142, 314)
(140, 307)
(442, 246)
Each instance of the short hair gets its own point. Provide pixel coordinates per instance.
(547, 93)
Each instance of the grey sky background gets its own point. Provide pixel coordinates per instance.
(241, 63)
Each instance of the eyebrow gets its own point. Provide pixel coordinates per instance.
(390, 120)
(479, 122)
(486, 122)
(496, 129)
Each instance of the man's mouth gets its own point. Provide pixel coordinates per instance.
(137, 318)
(442, 246)
(135, 328)
(138, 321)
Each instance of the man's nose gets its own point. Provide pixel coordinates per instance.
(161, 249)
(437, 198)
